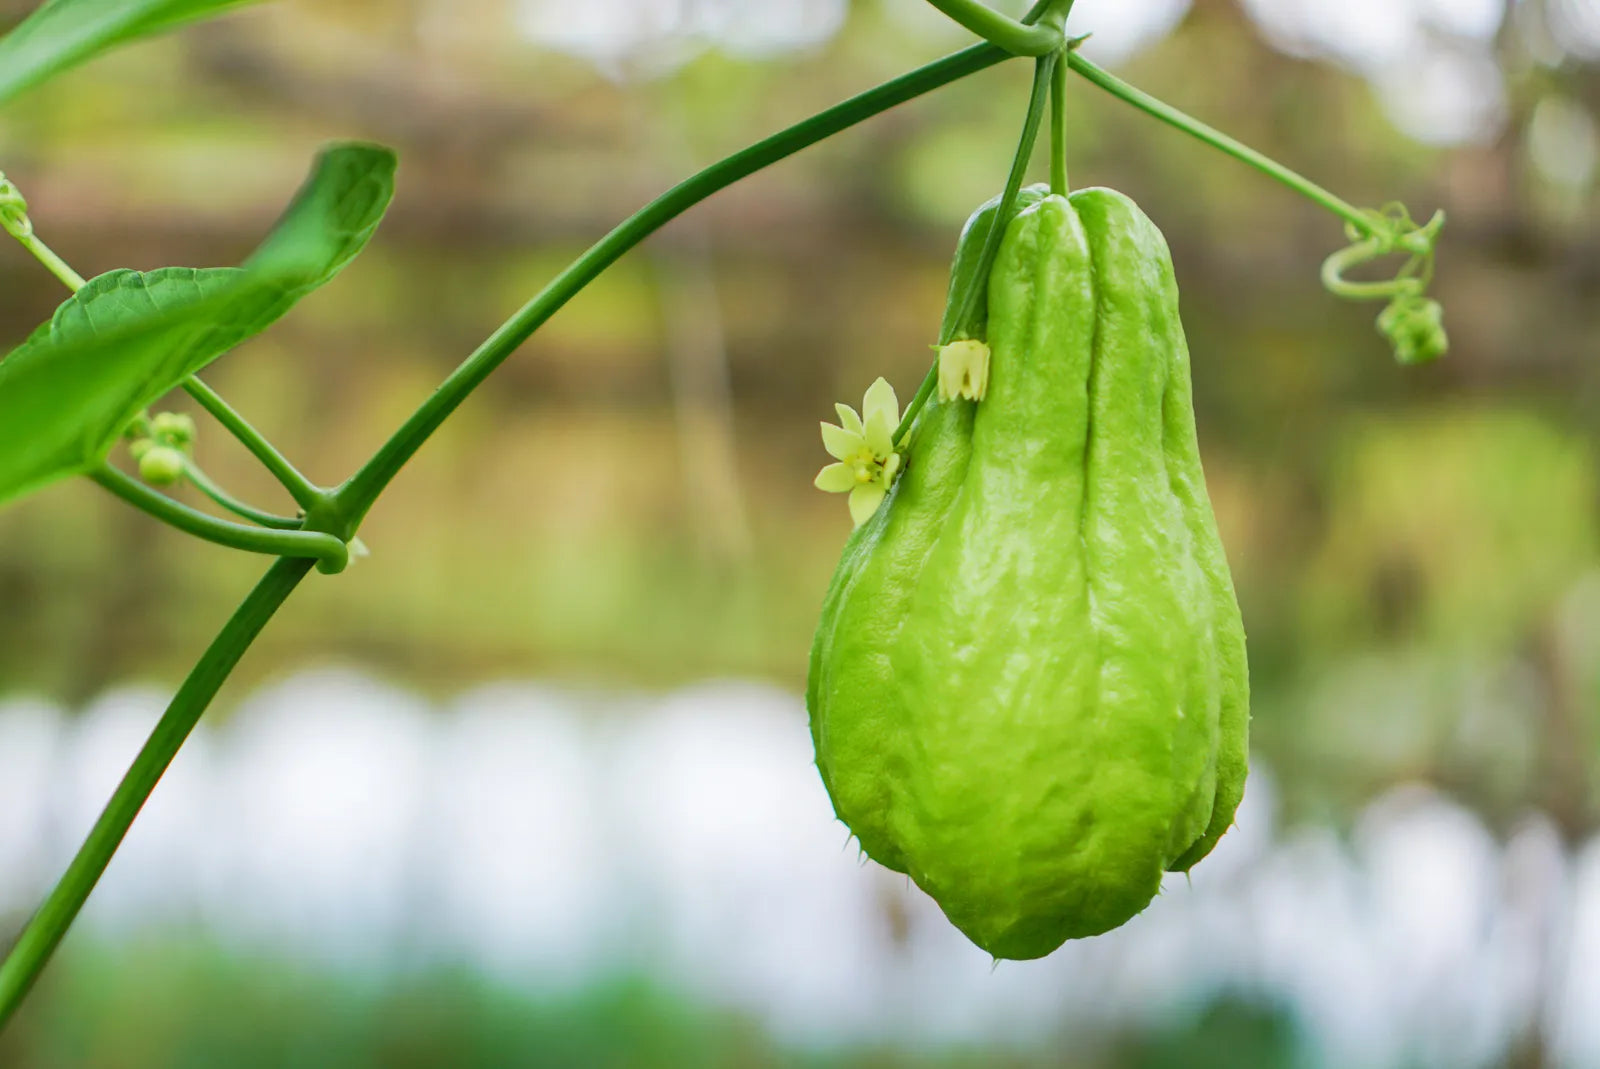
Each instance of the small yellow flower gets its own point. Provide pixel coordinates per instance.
(964, 370)
(863, 445)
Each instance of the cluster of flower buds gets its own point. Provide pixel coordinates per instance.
(161, 446)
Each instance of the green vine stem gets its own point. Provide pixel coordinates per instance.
(1413, 323)
(345, 509)
(331, 554)
(45, 930)
(306, 494)
(358, 494)
(1025, 38)
(207, 486)
(1060, 184)
(15, 221)
(1217, 139)
(1038, 102)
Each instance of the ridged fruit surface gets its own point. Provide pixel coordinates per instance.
(1028, 689)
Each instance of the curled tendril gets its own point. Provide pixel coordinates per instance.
(1413, 323)
(1416, 327)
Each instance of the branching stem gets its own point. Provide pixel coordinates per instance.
(207, 486)
(1060, 184)
(330, 553)
(306, 494)
(1024, 38)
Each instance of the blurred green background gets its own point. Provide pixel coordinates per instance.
(627, 507)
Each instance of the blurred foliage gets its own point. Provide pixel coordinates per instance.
(1450, 530)
(1453, 538)
(199, 1006)
(1231, 1033)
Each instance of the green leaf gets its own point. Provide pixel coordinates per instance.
(63, 33)
(129, 337)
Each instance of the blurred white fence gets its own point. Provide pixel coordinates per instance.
(553, 837)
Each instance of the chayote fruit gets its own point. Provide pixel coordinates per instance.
(1028, 689)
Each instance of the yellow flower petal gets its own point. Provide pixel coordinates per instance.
(840, 443)
(837, 479)
(880, 433)
(864, 501)
(848, 418)
(881, 400)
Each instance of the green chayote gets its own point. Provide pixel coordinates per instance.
(1028, 690)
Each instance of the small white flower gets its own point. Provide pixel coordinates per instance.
(964, 370)
(863, 445)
